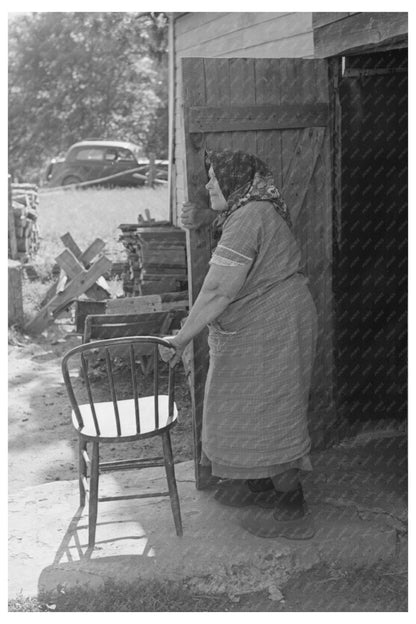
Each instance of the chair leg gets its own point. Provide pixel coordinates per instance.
(93, 498)
(82, 471)
(170, 475)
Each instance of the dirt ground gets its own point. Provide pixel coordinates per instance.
(42, 448)
(42, 441)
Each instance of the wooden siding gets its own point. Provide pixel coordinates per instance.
(254, 35)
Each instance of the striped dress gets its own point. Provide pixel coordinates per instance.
(261, 353)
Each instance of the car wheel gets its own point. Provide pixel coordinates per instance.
(70, 180)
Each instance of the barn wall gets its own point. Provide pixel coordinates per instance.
(254, 35)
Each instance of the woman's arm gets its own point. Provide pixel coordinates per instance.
(220, 287)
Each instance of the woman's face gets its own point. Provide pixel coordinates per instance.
(217, 199)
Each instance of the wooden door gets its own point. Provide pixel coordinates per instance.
(278, 109)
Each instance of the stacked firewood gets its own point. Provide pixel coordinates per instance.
(156, 258)
(25, 202)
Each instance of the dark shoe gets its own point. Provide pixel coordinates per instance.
(288, 519)
(263, 523)
(238, 493)
(260, 485)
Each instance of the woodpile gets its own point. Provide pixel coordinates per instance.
(156, 253)
(24, 203)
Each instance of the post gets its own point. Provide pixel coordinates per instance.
(171, 129)
(151, 176)
(198, 244)
(15, 293)
(12, 229)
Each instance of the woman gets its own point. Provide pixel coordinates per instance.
(262, 334)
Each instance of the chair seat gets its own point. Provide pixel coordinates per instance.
(107, 421)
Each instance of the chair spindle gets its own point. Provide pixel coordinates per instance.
(135, 387)
(156, 383)
(112, 390)
(84, 365)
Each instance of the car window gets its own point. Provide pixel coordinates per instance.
(125, 154)
(90, 153)
(111, 154)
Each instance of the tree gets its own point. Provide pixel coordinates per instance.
(79, 75)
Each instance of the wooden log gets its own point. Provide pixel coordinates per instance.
(15, 293)
(75, 287)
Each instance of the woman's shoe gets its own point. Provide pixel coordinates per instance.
(263, 523)
(288, 518)
(239, 493)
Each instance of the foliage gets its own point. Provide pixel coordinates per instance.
(79, 75)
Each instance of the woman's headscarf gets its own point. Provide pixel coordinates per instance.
(243, 178)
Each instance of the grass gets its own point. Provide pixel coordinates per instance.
(86, 214)
(378, 587)
(94, 213)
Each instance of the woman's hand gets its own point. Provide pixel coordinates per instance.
(193, 218)
(172, 355)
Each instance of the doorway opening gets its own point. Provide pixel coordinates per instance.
(370, 276)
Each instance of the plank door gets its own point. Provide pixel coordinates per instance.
(278, 109)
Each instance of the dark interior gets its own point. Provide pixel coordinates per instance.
(371, 254)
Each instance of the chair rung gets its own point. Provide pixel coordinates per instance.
(106, 499)
(129, 464)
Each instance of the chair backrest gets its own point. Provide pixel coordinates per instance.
(78, 358)
(104, 326)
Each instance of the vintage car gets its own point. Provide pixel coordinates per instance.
(104, 163)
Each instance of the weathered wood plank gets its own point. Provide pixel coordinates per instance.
(267, 83)
(15, 293)
(299, 46)
(359, 30)
(148, 303)
(92, 250)
(69, 263)
(301, 170)
(11, 224)
(243, 93)
(218, 93)
(218, 42)
(259, 117)
(198, 244)
(75, 287)
(322, 19)
(200, 26)
(69, 242)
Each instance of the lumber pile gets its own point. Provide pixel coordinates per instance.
(23, 226)
(156, 253)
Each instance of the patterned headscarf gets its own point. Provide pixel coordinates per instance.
(243, 178)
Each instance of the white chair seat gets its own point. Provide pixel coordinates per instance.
(107, 420)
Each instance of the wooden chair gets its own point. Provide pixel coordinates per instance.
(132, 417)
